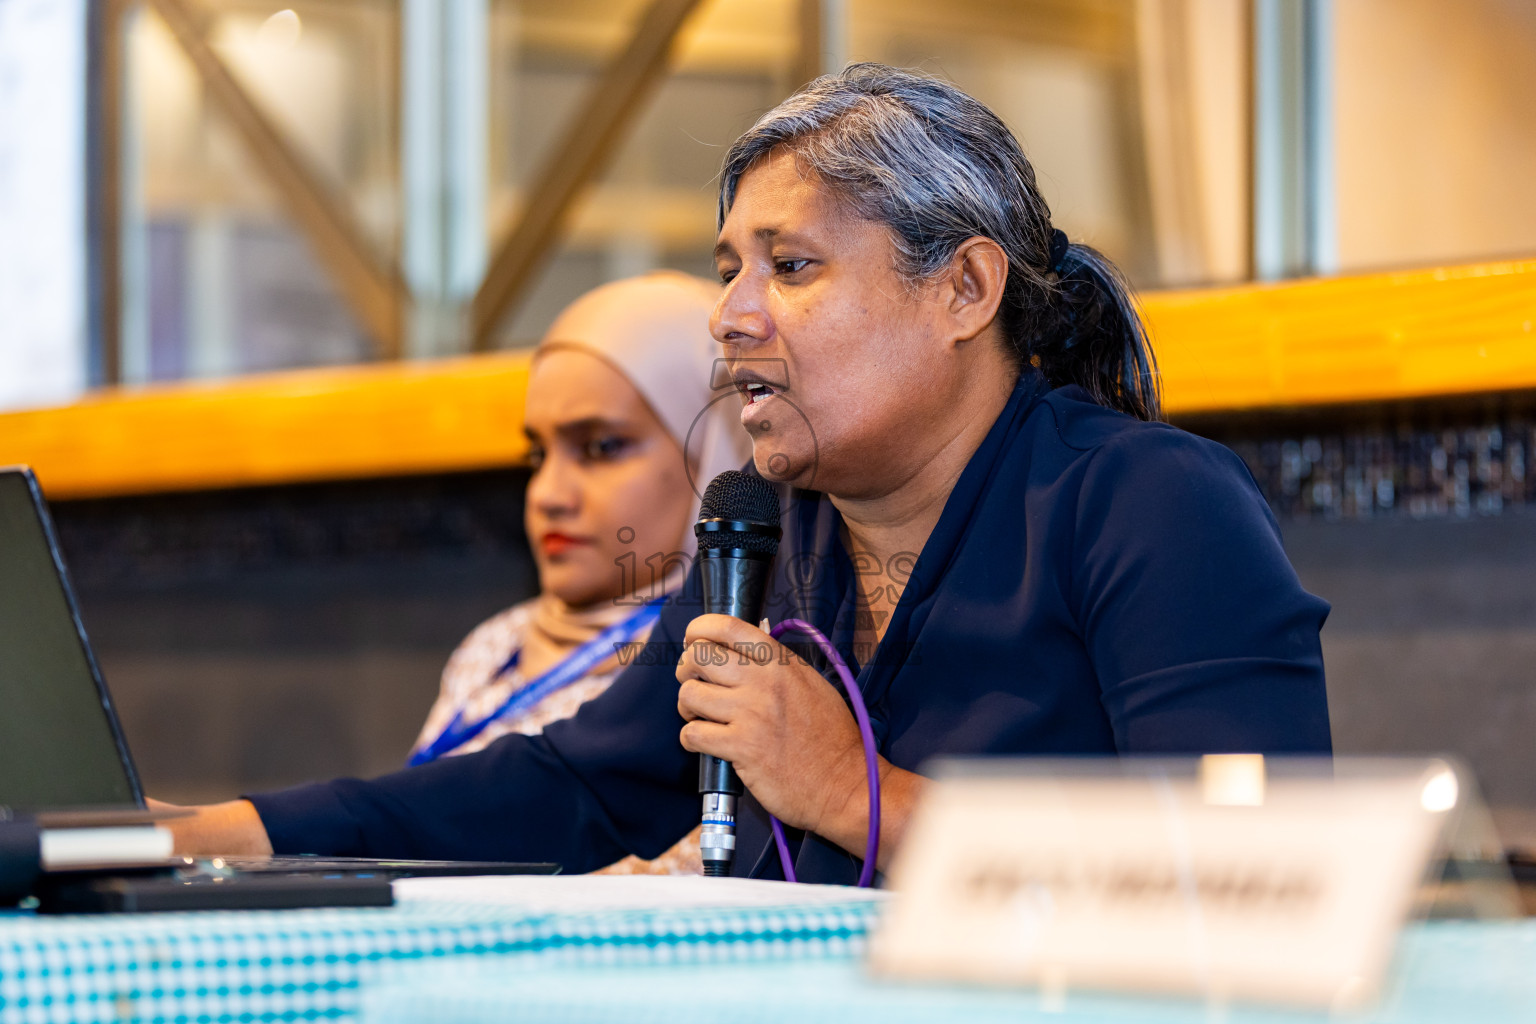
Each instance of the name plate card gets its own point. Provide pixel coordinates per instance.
(1230, 880)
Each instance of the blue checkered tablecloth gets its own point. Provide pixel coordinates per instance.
(1447, 972)
(309, 964)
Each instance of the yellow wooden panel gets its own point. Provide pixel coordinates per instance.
(326, 424)
(1375, 337)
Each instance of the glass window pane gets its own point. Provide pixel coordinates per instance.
(654, 205)
(1134, 114)
(1436, 130)
(220, 278)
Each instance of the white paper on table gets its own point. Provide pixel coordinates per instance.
(587, 893)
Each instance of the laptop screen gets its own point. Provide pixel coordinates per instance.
(59, 742)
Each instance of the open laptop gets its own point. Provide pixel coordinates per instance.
(62, 748)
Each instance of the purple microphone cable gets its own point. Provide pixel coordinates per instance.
(871, 757)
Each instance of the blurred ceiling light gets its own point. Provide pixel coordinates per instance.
(281, 30)
(1440, 792)
(1232, 780)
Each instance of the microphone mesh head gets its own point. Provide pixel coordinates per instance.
(740, 496)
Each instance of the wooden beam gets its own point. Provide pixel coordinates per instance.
(105, 174)
(383, 419)
(1170, 142)
(589, 140)
(1140, 255)
(1379, 337)
(1375, 337)
(808, 62)
(371, 285)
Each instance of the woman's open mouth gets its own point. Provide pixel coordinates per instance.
(754, 415)
(757, 392)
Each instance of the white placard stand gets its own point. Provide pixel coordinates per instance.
(1231, 877)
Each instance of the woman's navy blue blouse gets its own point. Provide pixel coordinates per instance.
(1095, 585)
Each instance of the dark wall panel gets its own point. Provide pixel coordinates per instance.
(260, 638)
(1431, 645)
(255, 639)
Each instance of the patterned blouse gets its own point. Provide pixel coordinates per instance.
(469, 685)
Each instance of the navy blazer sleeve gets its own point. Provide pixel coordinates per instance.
(1197, 626)
(610, 781)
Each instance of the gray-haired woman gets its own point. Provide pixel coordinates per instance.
(987, 521)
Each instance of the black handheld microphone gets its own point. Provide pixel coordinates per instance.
(738, 534)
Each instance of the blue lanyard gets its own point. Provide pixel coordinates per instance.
(573, 667)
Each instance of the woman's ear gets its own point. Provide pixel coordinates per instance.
(978, 275)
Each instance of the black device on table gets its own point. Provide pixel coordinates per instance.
(64, 757)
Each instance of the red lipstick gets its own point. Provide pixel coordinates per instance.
(554, 544)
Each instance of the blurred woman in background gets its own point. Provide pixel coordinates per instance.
(619, 386)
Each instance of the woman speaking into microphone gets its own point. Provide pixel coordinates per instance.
(986, 519)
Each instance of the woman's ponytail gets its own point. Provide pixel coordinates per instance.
(1098, 341)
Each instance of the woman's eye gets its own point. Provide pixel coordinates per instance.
(727, 276)
(791, 266)
(535, 457)
(601, 448)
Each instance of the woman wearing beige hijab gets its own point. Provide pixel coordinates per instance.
(619, 386)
